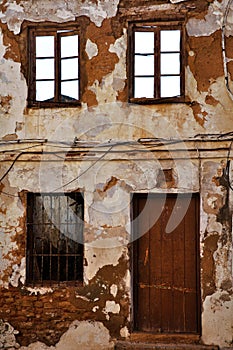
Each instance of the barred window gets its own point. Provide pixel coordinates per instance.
(54, 237)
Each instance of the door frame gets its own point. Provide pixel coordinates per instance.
(133, 211)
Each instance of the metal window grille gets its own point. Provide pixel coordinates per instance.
(54, 237)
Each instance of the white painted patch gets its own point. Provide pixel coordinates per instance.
(102, 252)
(111, 307)
(39, 290)
(56, 11)
(82, 297)
(91, 49)
(216, 313)
(86, 336)
(12, 81)
(19, 273)
(113, 290)
(124, 332)
(213, 20)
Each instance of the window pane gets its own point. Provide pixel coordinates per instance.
(69, 68)
(69, 45)
(44, 46)
(144, 87)
(44, 90)
(144, 65)
(69, 90)
(170, 63)
(170, 86)
(45, 68)
(170, 40)
(144, 42)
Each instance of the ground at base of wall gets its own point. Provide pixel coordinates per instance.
(125, 345)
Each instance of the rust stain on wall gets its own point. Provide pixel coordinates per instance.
(208, 265)
(199, 115)
(10, 41)
(5, 103)
(208, 52)
(104, 63)
(210, 100)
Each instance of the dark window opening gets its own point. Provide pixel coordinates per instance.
(156, 66)
(54, 77)
(54, 237)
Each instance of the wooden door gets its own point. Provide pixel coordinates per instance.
(166, 265)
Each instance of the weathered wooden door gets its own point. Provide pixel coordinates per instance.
(166, 265)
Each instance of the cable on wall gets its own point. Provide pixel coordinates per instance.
(225, 61)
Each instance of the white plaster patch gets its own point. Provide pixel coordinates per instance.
(213, 20)
(11, 81)
(124, 332)
(86, 336)
(91, 49)
(212, 202)
(19, 273)
(103, 252)
(111, 307)
(214, 226)
(39, 290)
(113, 290)
(45, 10)
(95, 308)
(216, 312)
(2, 47)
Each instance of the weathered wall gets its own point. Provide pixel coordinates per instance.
(45, 314)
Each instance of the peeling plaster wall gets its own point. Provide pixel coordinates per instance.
(93, 315)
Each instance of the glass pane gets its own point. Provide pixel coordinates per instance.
(69, 46)
(170, 63)
(45, 68)
(144, 87)
(44, 46)
(170, 86)
(144, 65)
(69, 90)
(69, 69)
(170, 40)
(44, 90)
(144, 42)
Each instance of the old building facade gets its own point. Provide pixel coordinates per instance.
(116, 173)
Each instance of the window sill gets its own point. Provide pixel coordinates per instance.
(37, 105)
(153, 101)
(54, 284)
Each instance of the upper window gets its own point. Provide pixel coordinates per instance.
(54, 237)
(54, 74)
(156, 70)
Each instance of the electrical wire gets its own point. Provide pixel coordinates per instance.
(227, 171)
(91, 166)
(11, 166)
(226, 73)
(148, 144)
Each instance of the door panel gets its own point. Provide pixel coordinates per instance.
(166, 265)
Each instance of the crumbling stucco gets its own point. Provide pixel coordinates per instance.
(14, 13)
(108, 149)
(85, 335)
